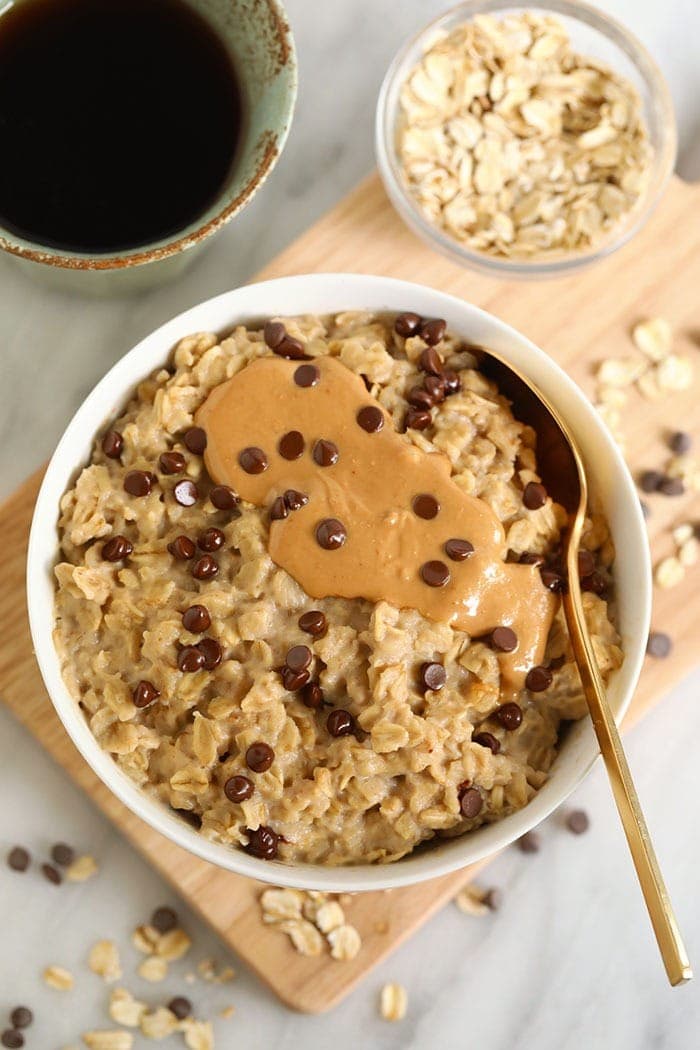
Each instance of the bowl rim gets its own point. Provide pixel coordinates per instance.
(577, 10)
(269, 148)
(325, 293)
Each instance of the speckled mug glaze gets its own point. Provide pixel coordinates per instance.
(256, 34)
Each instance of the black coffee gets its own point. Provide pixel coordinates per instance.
(119, 121)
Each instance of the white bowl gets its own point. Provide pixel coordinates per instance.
(610, 481)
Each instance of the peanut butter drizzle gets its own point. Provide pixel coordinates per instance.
(370, 489)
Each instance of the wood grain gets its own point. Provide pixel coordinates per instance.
(578, 320)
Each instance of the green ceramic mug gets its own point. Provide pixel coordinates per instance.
(258, 38)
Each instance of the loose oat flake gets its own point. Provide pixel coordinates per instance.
(153, 969)
(125, 1009)
(104, 960)
(81, 869)
(471, 901)
(345, 942)
(108, 1040)
(393, 1002)
(516, 145)
(59, 978)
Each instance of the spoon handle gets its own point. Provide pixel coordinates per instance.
(663, 920)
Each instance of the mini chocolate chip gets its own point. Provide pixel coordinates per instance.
(18, 859)
(63, 855)
(291, 445)
(553, 581)
(182, 548)
(112, 444)
(340, 722)
(293, 680)
(671, 487)
(435, 387)
(432, 332)
(138, 482)
(238, 788)
(534, 495)
(487, 740)
(12, 1039)
(313, 622)
(371, 419)
(458, 550)
(325, 453)
(538, 679)
(190, 659)
(503, 639)
(407, 324)
(430, 362)
(52, 874)
(262, 843)
(659, 645)
(470, 802)
(21, 1017)
(432, 676)
(223, 497)
(259, 757)
(586, 563)
(205, 568)
(164, 919)
(577, 821)
(307, 375)
(144, 694)
(279, 509)
(312, 696)
(273, 333)
(295, 500)
(530, 842)
(186, 493)
(331, 534)
(425, 506)
(290, 348)
(196, 619)
(417, 419)
(211, 540)
(181, 1007)
(493, 898)
(596, 583)
(510, 716)
(171, 462)
(453, 384)
(212, 652)
(253, 460)
(419, 398)
(298, 658)
(195, 439)
(680, 442)
(435, 573)
(650, 480)
(117, 549)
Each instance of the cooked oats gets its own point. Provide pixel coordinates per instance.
(517, 146)
(333, 800)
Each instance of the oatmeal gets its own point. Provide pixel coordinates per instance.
(237, 681)
(516, 145)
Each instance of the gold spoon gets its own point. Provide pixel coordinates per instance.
(561, 468)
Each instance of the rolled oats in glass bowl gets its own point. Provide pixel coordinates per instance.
(525, 141)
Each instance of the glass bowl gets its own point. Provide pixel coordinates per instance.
(593, 34)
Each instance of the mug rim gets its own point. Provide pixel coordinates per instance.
(268, 147)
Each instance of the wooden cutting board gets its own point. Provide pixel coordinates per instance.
(578, 320)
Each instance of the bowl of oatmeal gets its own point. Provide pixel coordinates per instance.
(294, 585)
(525, 141)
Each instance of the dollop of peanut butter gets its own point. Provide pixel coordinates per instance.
(371, 490)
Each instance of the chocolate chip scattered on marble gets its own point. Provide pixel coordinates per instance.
(659, 645)
(62, 854)
(577, 821)
(164, 919)
(21, 1017)
(18, 859)
(680, 442)
(530, 842)
(180, 1007)
(52, 874)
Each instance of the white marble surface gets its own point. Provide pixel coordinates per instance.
(569, 961)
